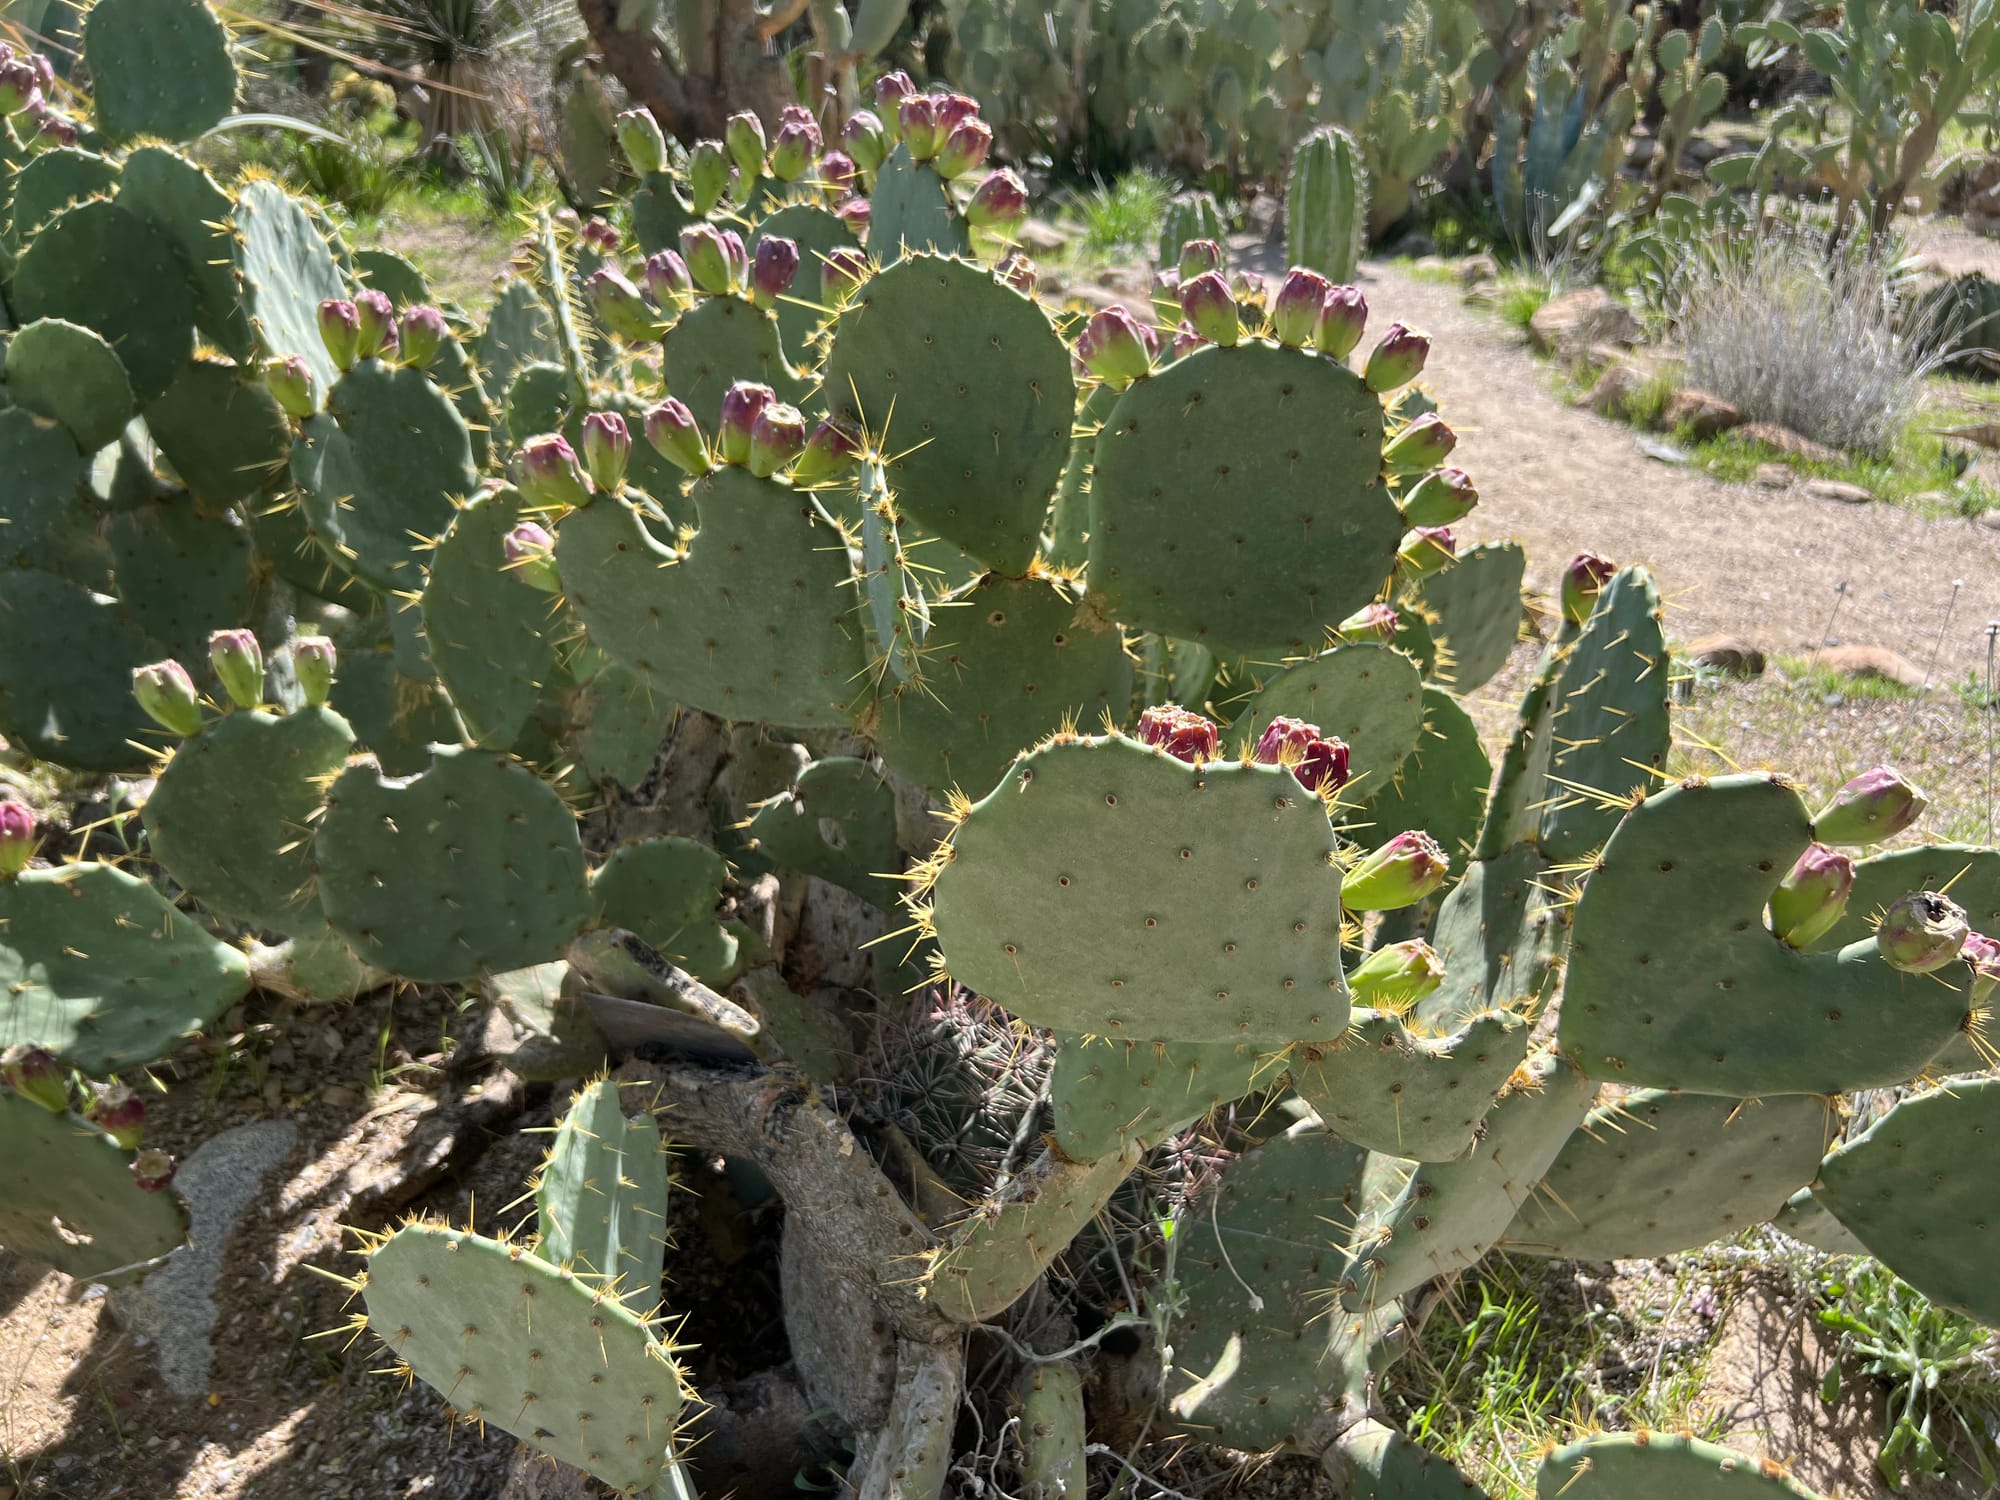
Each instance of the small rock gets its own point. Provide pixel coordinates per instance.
(1877, 662)
(1477, 268)
(1702, 414)
(1838, 489)
(1774, 476)
(1416, 245)
(1664, 452)
(1597, 356)
(1576, 320)
(1481, 291)
(1266, 215)
(1618, 384)
(1730, 654)
(1038, 238)
(1938, 499)
(1790, 443)
(1642, 152)
(1990, 519)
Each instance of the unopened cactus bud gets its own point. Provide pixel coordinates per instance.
(921, 131)
(891, 89)
(52, 129)
(775, 267)
(1198, 256)
(1877, 804)
(668, 281)
(1315, 760)
(776, 438)
(119, 1113)
(1922, 931)
(619, 307)
(1378, 620)
(166, 692)
(1583, 580)
(743, 134)
(1424, 550)
(292, 385)
(838, 173)
(1982, 956)
(1113, 347)
(1018, 272)
(531, 555)
(238, 660)
(707, 253)
(600, 236)
(1401, 873)
(829, 452)
(313, 664)
(548, 474)
(1397, 359)
(953, 110)
(856, 214)
(675, 435)
(1812, 897)
(795, 149)
(421, 333)
(1210, 308)
(642, 141)
(45, 71)
(20, 89)
(34, 1074)
(708, 175)
(1442, 498)
(340, 331)
(607, 448)
(1295, 312)
(377, 319)
(999, 203)
(964, 149)
(17, 837)
(1182, 733)
(1395, 977)
(866, 140)
(1247, 287)
(741, 404)
(840, 273)
(1186, 341)
(1424, 444)
(1343, 318)
(152, 1170)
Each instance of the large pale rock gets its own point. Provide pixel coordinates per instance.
(1576, 320)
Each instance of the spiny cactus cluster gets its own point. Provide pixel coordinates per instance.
(1119, 660)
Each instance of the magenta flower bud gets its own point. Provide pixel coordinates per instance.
(843, 270)
(675, 435)
(292, 385)
(548, 474)
(1875, 805)
(708, 175)
(17, 837)
(1813, 897)
(776, 264)
(1295, 313)
(1018, 272)
(795, 149)
(856, 214)
(20, 87)
(741, 404)
(891, 89)
(1397, 359)
(152, 1170)
(827, 455)
(531, 554)
(1183, 734)
(1582, 581)
(999, 203)
(607, 448)
(642, 141)
(422, 331)
(706, 255)
(1315, 760)
(1982, 956)
(1199, 256)
(1378, 620)
(921, 131)
(119, 1113)
(1401, 873)
(1113, 347)
(619, 307)
(340, 331)
(1921, 932)
(313, 663)
(743, 134)
(376, 317)
(1424, 444)
(964, 149)
(838, 173)
(1210, 309)
(52, 129)
(238, 660)
(1395, 977)
(1343, 318)
(798, 113)
(1441, 498)
(1424, 550)
(776, 438)
(600, 236)
(953, 110)
(668, 280)
(1186, 341)
(166, 692)
(866, 140)
(34, 1074)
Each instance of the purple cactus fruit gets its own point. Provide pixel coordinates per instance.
(1396, 976)
(1316, 761)
(45, 71)
(667, 280)
(675, 435)
(1441, 498)
(1397, 359)
(1018, 272)
(313, 663)
(741, 404)
(238, 660)
(376, 316)
(1812, 897)
(856, 214)
(891, 89)
(620, 308)
(1401, 873)
(119, 1113)
(999, 203)
(1982, 956)
(17, 837)
(743, 134)
(838, 173)
(20, 88)
(1113, 347)
(600, 236)
(1877, 804)
(1423, 444)
(340, 331)
(795, 149)
(840, 273)
(1922, 931)
(828, 453)
(607, 448)
(1582, 581)
(52, 129)
(776, 438)
(1183, 734)
(1296, 309)
(292, 385)
(1247, 287)
(548, 474)
(152, 1170)
(34, 1074)
(953, 110)
(642, 141)
(1186, 341)
(421, 332)
(166, 692)
(775, 267)
(1377, 620)
(530, 553)
(1424, 550)
(866, 140)
(921, 131)
(708, 175)
(1210, 309)
(1198, 256)
(964, 149)
(706, 255)
(1343, 319)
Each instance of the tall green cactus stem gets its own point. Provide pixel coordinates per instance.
(1659, 1466)
(1326, 205)
(601, 1199)
(1189, 216)
(1388, 1088)
(67, 1198)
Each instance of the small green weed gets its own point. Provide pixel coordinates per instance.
(1124, 216)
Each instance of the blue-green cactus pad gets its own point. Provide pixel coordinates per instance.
(601, 1200)
(724, 340)
(666, 890)
(519, 331)
(223, 432)
(659, 214)
(1107, 1094)
(111, 271)
(72, 706)
(158, 67)
(183, 203)
(1440, 787)
(817, 233)
(1805, 1218)
(1371, 696)
(1002, 1247)
(1659, 1466)
(39, 506)
(67, 1198)
(910, 211)
(1069, 516)
(838, 822)
(1477, 604)
(67, 372)
(618, 722)
(1969, 873)
(50, 182)
(492, 634)
(1386, 1465)
(287, 267)
(183, 573)
(1395, 1089)
(393, 275)
(397, 714)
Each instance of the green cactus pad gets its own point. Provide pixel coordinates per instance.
(1675, 982)
(1108, 1094)
(1477, 602)
(491, 632)
(183, 573)
(526, 1347)
(1657, 1466)
(40, 514)
(1399, 1091)
(1654, 1174)
(158, 67)
(1052, 1433)
(519, 331)
(1969, 873)
(287, 268)
(397, 715)
(619, 722)
(752, 621)
(818, 234)
(97, 967)
(73, 706)
(1916, 1189)
(1440, 787)
(67, 1198)
(542, 398)
(393, 275)
(183, 203)
(1805, 1218)
(968, 388)
(1069, 517)
(472, 867)
(60, 370)
(1237, 500)
(111, 271)
(721, 342)
(1449, 1214)
(1386, 1465)
(666, 890)
(1371, 696)
(910, 211)
(51, 182)
(223, 432)
(837, 822)
(231, 815)
(601, 1201)
(659, 214)
(1006, 662)
(1104, 887)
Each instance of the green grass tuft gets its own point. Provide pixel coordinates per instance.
(1124, 217)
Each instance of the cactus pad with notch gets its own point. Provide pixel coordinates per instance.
(67, 1198)
(601, 1199)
